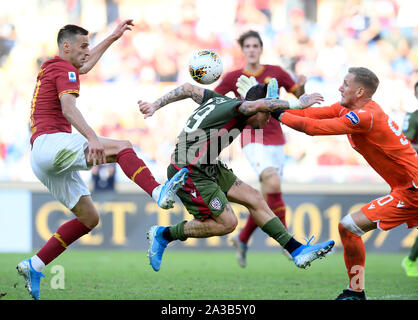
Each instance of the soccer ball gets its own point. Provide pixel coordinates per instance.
(205, 66)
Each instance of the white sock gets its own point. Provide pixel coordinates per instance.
(156, 193)
(37, 263)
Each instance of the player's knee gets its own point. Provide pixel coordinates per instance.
(95, 220)
(256, 199)
(92, 220)
(270, 180)
(230, 224)
(229, 221)
(347, 223)
(124, 144)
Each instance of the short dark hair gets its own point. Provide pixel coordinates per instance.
(365, 77)
(256, 92)
(249, 34)
(69, 31)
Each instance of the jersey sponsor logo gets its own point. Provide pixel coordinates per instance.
(72, 77)
(215, 203)
(353, 117)
(400, 204)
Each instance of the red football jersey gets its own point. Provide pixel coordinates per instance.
(272, 131)
(56, 77)
(370, 131)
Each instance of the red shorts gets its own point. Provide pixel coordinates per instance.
(394, 209)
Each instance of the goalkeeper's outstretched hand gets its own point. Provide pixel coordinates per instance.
(244, 84)
(273, 89)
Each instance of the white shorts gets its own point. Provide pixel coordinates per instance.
(263, 156)
(55, 160)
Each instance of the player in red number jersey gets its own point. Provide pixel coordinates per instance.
(58, 154)
(266, 155)
(373, 134)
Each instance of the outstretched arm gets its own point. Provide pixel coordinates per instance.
(271, 105)
(182, 92)
(98, 50)
(73, 115)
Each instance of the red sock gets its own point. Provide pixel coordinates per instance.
(136, 170)
(276, 204)
(354, 257)
(248, 229)
(65, 235)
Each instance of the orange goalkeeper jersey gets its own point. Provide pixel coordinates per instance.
(371, 132)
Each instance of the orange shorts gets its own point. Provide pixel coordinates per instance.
(394, 209)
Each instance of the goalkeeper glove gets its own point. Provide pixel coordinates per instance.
(273, 89)
(244, 84)
(277, 114)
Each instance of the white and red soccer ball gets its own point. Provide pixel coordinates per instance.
(205, 66)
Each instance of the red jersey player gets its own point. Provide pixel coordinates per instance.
(58, 154)
(266, 156)
(373, 134)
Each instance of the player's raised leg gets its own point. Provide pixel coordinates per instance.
(122, 152)
(159, 236)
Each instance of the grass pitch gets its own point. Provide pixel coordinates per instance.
(207, 275)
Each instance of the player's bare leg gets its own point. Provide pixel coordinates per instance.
(122, 152)
(302, 255)
(70, 231)
(272, 192)
(351, 228)
(86, 212)
(159, 237)
(223, 224)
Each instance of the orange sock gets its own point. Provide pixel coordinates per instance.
(354, 257)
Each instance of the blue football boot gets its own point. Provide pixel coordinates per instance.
(305, 254)
(32, 278)
(157, 245)
(170, 188)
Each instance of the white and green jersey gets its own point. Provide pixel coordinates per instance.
(210, 129)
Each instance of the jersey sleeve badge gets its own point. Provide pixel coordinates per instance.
(72, 77)
(353, 117)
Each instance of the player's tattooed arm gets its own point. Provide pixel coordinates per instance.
(263, 105)
(182, 92)
(271, 105)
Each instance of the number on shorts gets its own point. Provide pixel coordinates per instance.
(383, 200)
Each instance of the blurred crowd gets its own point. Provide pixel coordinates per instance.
(319, 39)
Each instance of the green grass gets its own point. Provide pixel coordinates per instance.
(207, 275)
